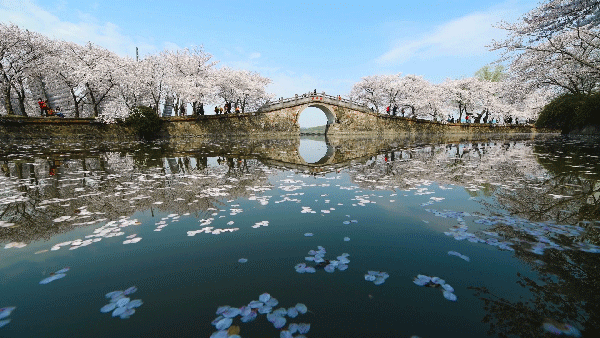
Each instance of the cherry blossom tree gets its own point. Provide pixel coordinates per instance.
(241, 88)
(98, 70)
(460, 93)
(415, 93)
(130, 87)
(556, 44)
(556, 16)
(64, 67)
(190, 79)
(377, 91)
(154, 74)
(21, 55)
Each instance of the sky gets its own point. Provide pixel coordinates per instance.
(300, 45)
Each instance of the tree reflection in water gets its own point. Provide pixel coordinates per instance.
(549, 180)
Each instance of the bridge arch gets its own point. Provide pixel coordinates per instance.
(328, 113)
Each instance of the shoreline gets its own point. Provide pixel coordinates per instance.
(243, 125)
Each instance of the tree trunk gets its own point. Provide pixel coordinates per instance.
(194, 109)
(20, 91)
(7, 103)
(75, 103)
(21, 97)
(93, 98)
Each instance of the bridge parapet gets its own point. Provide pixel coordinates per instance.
(303, 99)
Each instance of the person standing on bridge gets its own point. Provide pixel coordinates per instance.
(387, 110)
(395, 110)
(216, 110)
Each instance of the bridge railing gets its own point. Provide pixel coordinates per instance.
(319, 96)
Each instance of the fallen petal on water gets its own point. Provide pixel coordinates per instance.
(130, 290)
(222, 309)
(264, 297)
(6, 311)
(114, 294)
(224, 324)
(231, 312)
(301, 308)
(279, 322)
(272, 302)
(123, 301)
(108, 307)
(303, 328)
(220, 334)
(450, 296)
(250, 317)
(119, 311)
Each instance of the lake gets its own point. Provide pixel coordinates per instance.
(300, 238)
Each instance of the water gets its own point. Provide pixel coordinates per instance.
(174, 218)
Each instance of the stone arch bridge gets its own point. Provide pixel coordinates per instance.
(343, 116)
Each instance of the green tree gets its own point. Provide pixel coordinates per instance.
(488, 74)
(145, 122)
(570, 112)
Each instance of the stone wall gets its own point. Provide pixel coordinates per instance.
(281, 123)
(353, 122)
(54, 127)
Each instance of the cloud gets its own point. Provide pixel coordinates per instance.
(463, 37)
(27, 15)
(254, 55)
(172, 46)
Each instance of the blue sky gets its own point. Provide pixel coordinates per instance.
(300, 45)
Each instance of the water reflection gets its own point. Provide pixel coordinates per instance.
(315, 149)
(538, 199)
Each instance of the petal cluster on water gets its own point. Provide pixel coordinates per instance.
(377, 277)
(459, 255)
(318, 256)
(261, 224)
(4, 313)
(55, 275)
(544, 235)
(436, 282)
(120, 305)
(560, 329)
(248, 313)
(211, 230)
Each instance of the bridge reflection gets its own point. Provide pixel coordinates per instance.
(43, 182)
